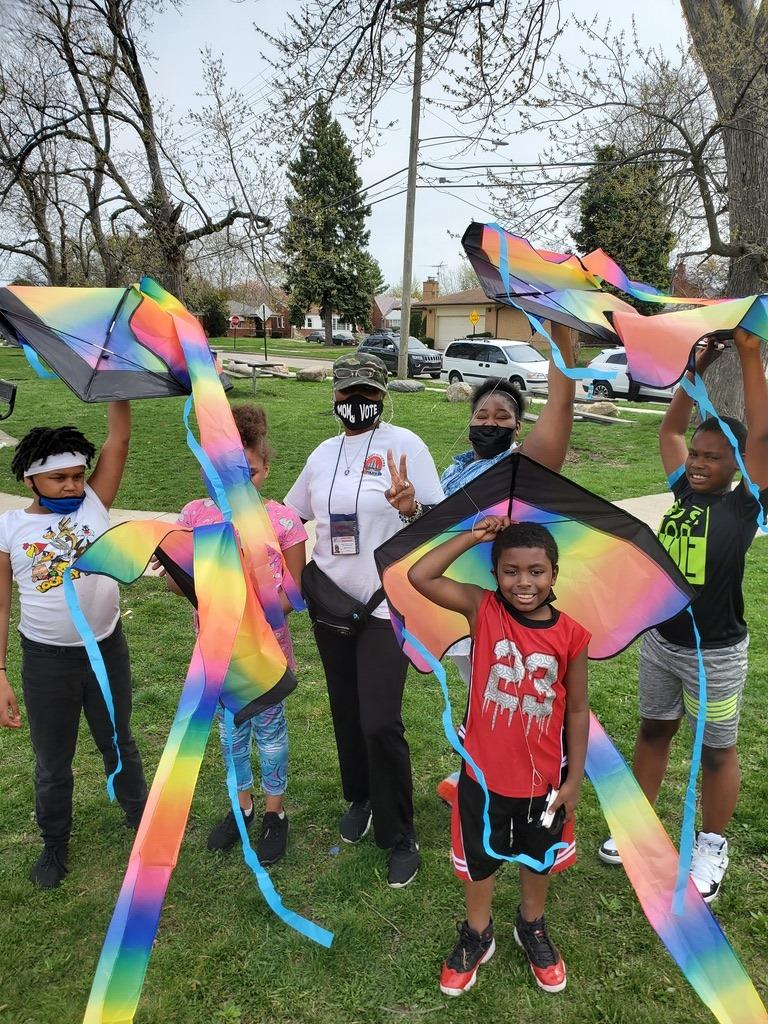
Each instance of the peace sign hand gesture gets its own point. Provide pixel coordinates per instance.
(402, 494)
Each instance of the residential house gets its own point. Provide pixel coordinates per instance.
(251, 324)
(448, 316)
(385, 312)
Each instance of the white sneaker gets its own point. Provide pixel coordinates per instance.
(709, 863)
(608, 852)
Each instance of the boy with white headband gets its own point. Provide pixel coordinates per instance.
(37, 544)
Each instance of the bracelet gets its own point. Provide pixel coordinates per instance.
(418, 511)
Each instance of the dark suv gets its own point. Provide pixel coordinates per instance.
(420, 358)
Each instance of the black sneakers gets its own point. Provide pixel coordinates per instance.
(50, 867)
(273, 839)
(355, 821)
(226, 833)
(459, 971)
(404, 863)
(545, 961)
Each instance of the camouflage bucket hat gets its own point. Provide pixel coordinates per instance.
(360, 368)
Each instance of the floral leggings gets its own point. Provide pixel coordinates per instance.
(270, 732)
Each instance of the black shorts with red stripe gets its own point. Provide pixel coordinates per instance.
(514, 830)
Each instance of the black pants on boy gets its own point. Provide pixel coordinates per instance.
(365, 675)
(58, 684)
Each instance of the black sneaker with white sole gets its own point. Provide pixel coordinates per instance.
(356, 821)
(226, 834)
(404, 863)
(50, 867)
(273, 839)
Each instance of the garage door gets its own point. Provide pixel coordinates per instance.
(451, 327)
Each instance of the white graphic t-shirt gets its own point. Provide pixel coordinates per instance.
(41, 548)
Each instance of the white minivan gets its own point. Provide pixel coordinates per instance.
(472, 360)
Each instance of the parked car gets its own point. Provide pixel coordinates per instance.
(382, 332)
(515, 361)
(420, 358)
(338, 337)
(622, 386)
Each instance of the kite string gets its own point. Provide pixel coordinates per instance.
(689, 804)
(453, 738)
(301, 924)
(96, 659)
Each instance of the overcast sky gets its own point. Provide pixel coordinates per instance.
(226, 27)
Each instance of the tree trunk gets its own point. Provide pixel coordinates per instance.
(328, 318)
(730, 40)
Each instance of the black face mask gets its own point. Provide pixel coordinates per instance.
(358, 413)
(489, 442)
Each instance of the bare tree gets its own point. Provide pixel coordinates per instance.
(145, 191)
(699, 114)
(482, 56)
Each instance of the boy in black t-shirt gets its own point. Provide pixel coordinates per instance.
(707, 532)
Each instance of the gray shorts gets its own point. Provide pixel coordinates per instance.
(669, 685)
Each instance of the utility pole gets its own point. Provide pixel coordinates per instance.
(410, 202)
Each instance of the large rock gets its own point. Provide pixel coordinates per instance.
(597, 408)
(312, 373)
(281, 370)
(406, 385)
(458, 392)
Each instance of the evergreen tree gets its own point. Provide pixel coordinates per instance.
(325, 241)
(624, 213)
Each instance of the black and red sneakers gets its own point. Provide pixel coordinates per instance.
(472, 949)
(547, 965)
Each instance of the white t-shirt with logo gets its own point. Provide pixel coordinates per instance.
(41, 547)
(317, 492)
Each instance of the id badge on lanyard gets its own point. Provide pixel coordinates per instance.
(345, 538)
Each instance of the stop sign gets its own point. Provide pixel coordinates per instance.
(234, 321)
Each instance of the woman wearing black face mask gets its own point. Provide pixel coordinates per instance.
(497, 413)
(360, 488)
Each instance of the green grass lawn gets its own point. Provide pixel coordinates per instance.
(220, 955)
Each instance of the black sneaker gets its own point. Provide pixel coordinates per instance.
(546, 963)
(226, 833)
(356, 821)
(460, 969)
(404, 863)
(50, 867)
(273, 839)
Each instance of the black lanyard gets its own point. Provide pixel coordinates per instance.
(336, 469)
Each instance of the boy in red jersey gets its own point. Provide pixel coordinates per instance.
(527, 704)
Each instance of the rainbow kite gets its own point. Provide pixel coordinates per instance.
(141, 342)
(568, 289)
(618, 581)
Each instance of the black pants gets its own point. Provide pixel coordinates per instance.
(58, 684)
(365, 675)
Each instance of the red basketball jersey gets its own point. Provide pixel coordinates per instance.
(514, 726)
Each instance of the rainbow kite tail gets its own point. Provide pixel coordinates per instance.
(694, 938)
(124, 957)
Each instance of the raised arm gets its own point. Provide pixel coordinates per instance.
(106, 477)
(427, 574)
(755, 405)
(673, 446)
(548, 439)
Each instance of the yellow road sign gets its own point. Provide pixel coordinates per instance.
(474, 318)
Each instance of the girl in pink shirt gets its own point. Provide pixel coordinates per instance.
(268, 728)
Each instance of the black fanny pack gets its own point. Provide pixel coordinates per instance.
(330, 606)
